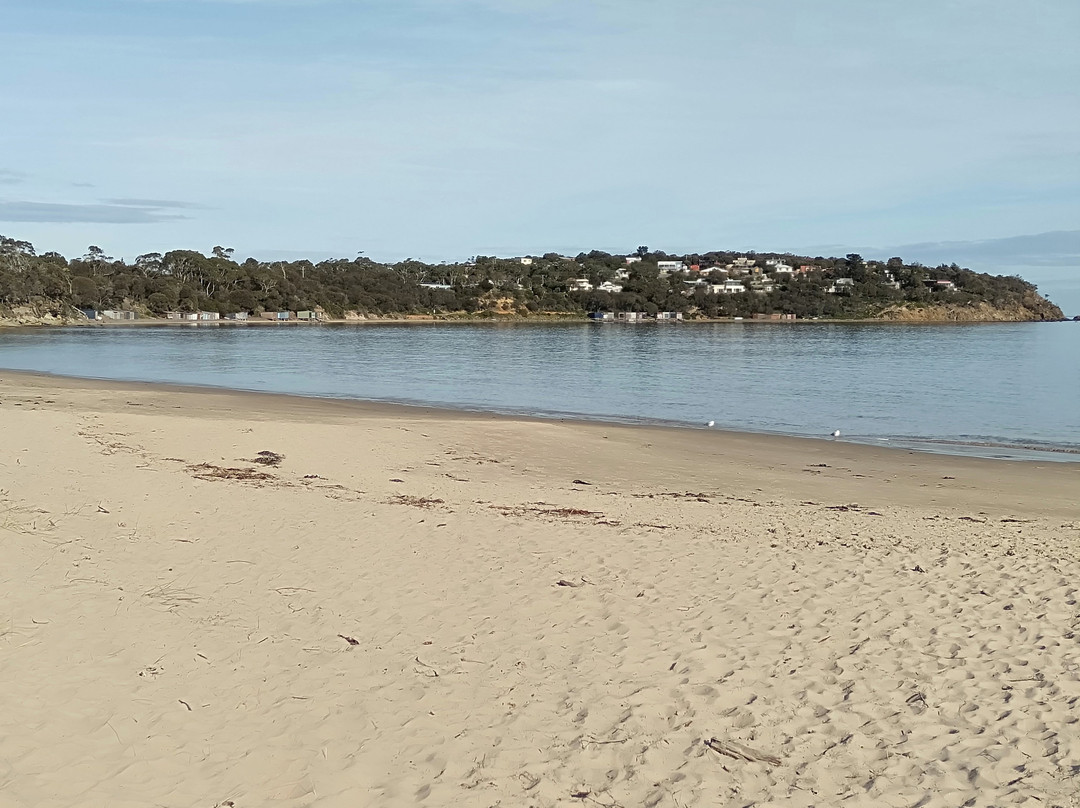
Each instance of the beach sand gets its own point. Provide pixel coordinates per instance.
(417, 607)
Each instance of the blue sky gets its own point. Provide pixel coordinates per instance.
(440, 129)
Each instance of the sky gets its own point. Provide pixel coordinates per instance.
(442, 129)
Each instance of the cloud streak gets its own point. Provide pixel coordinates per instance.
(154, 203)
(53, 212)
(1057, 248)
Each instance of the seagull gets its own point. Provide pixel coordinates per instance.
(711, 423)
(835, 433)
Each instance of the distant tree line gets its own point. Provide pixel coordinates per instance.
(187, 281)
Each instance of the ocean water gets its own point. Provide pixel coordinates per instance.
(1006, 390)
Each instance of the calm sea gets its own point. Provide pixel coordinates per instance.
(995, 389)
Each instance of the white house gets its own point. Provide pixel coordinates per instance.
(633, 259)
(780, 268)
(941, 286)
(580, 285)
(622, 274)
(526, 262)
(608, 286)
(671, 266)
(729, 287)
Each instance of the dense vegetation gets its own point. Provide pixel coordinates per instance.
(186, 280)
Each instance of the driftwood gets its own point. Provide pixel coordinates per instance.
(739, 752)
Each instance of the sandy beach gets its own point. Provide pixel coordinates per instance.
(228, 599)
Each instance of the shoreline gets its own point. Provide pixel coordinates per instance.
(156, 322)
(1019, 452)
(771, 451)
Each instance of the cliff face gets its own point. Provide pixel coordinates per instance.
(1036, 310)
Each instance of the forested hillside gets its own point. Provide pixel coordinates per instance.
(714, 284)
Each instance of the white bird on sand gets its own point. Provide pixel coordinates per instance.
(711, 423)
(836, 433)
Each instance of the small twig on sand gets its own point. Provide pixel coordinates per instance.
(739, 752)
(427, 666)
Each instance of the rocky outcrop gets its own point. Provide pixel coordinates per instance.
(1037, 310)
(43, 314)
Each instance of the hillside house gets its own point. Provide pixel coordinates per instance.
(841, 286)
(941, 285)
(608, 286)
(580, 285)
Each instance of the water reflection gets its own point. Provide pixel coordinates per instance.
(995, 384)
